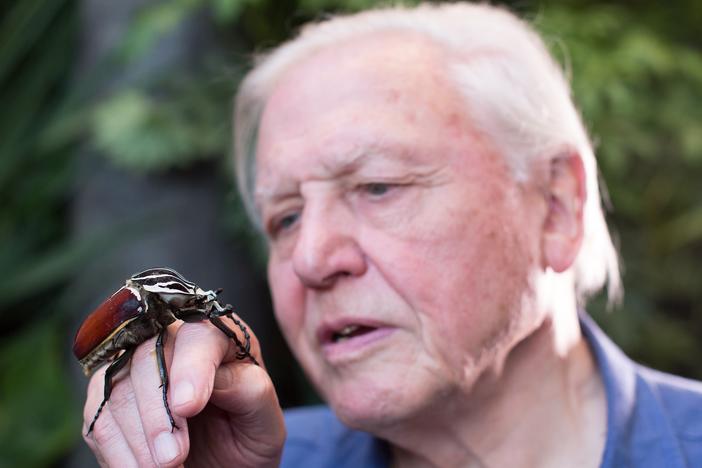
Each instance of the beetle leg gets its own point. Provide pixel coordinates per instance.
(245, 331)
(221, 310)
(190, 315)
(214, 314)
(117, 364)
(243, 349)
(163, 373)
(226, 311)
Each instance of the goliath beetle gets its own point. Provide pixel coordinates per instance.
(143, 308)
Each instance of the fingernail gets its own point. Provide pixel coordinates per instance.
(184, 393)
(166, 447)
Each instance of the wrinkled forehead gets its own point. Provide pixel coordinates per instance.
(402, 73)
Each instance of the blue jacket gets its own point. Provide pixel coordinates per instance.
(653, 420)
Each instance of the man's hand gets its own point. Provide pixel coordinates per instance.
(227, 409)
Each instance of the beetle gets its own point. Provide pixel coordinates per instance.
(144, 307)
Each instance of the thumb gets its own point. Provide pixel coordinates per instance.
(246, 392)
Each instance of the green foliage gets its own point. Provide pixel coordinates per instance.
(170, 120)
(153, 23)
(639, 91)
(38, 415)
(38, 412)
(226, 11)
(46, 118)
(144, 133)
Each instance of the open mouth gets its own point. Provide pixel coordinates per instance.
(343, 342)
(350, 331)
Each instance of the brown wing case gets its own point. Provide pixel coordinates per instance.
(120, 307)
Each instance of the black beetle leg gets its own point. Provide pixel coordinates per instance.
(190, 315)
(117, 364)
(197, 315)
(163, 372)
(244, 350)
(226, 311)
(245, 331)
(217, 322)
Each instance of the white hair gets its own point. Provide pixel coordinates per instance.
(516, 93)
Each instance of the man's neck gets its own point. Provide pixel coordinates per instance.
(545, 407)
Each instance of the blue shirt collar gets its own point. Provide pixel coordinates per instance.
(638, 430)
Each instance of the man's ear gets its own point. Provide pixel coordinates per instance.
(565, 194)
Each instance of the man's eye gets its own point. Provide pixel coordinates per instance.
(284, 222)
(377, 188)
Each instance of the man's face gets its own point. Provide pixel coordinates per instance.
(401, 250)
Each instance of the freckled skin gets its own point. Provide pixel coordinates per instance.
(445, 259)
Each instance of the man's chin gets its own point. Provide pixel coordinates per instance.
(371, 412)
(362, 419)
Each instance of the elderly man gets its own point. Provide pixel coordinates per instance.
(430, 201)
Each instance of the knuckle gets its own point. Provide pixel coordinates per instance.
(198, 332)
(155, 420)
(122, 398)
(256, 393)
(199, 344)
(262, 386)
(105, 433)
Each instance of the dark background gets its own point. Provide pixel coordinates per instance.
(114, 157)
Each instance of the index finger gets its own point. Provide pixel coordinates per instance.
(200, 348)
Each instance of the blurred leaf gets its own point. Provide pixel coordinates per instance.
(22, 28)
(142, 133)
(681, 231)
(25, 95)
(46, 269)
(227, 10)
(39, 417)
(152, 23)
(50, 268)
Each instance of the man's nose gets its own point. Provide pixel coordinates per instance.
(327, 248)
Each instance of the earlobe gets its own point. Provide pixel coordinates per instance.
(562, 230)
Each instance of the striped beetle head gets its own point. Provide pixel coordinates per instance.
(171, 287)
